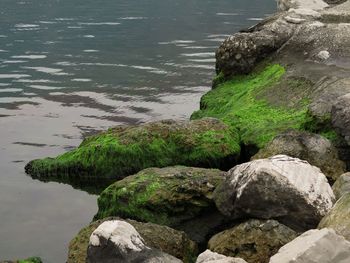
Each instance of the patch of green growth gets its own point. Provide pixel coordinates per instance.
(255, 120)
(220, 78)
(125, 150)
(31, 260)
(163, 196)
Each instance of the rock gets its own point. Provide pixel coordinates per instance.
(285, 5)
(166, 239)
(341, 186)
(255, 240)
(28, 260)
(315, 246)
(212, 257)
(341, 116)
(339, 217)
(280, 187)
(125, 150)
(118, 241)
(179, 197)
(313, 148)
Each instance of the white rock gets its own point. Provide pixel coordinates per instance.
(323, 55)
(315, 246)
(281, 187)
(212, 257)
(285, 5)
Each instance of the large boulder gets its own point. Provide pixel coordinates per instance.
(315, 246)
(255, 240)
(339, 217)
(280, 187)
(125, 150)
(212, 257)
(179, 197)
(314, 148)
(341, 116)
(166, 239)
(342, 186)
(118, 241)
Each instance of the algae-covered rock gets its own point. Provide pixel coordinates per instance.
(171, 241)
(280, 187)
(180, 197)
(212, 257)
(339, 217)
(341, 116)
(118, 241)
(314, 148)
(28, 260)
(342, 185)
(125, 150)
(255, 240)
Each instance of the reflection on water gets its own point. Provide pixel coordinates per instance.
(71, 68)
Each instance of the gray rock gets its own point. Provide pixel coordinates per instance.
(315, 246)
(281, 187)
(212, 257)
(339, 217)
(341, 116)
(342, 185)
(313, 148)
(255, 240)
(285, 5)
(118, 241)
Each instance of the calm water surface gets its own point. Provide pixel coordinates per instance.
(71, 68)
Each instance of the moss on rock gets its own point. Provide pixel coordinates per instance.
(173, 196)
(243, 103)
(125, 150)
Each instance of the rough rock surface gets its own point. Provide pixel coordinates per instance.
(166, 239)
(212, 257)
(255, 240)
(118, 241)
(339, 217)
(313, 148)
(315, 246)
(125, 150)
(280, 187)
(179, 197)
(341, 116)
(342, 186)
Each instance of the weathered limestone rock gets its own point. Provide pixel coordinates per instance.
(341, 116)
(255, 240)
(179, 197)
(212, 257)
(285, 5)
(280, 187)
(339, 217)
(341, 186)
(315, 246)
(118, 241)
(166, 239)
(313, 148)
(125, 150)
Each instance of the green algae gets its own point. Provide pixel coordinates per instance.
(125, 150)
(164, 196)
(255, 119)
(31, 260)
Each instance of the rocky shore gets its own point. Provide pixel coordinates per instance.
(259, 173)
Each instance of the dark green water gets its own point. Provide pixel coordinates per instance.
(71, 68)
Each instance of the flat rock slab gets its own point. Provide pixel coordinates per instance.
(315, 246)
(280, 187)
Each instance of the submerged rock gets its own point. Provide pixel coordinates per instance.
(28, 260)
(255, 240)
(287, 189)
(179, 197)
(125, 150)
(166, 239)
(212, 257)
(339, 217)
(118, 241)
(342, 186)
(315, 246)
(313, 148)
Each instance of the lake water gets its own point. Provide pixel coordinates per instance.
(71, 68)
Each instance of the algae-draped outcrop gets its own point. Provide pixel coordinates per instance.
(125, 150)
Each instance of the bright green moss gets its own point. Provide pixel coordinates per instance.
(30, 260)
(126, 150)
(256, 120)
